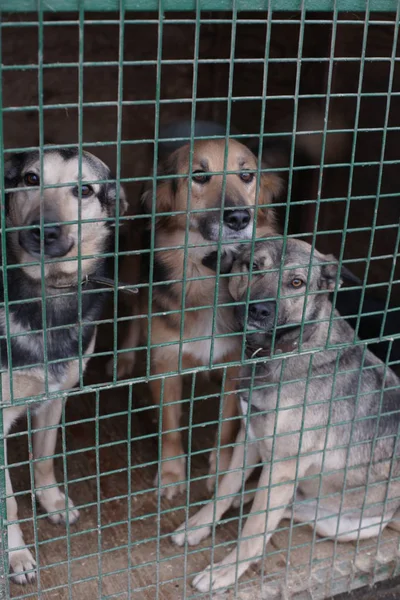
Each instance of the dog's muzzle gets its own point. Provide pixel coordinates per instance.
(236, 225)
(55, 242)
(237, 219)
(260, 316)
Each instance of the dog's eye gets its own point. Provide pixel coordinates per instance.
(297, 282)
(31, 179)
(255, 267)
(200, 177)
(246, 176)
(86, 191)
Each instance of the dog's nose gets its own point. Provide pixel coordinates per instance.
(260, 310)
(54, 243)
(51, 233)
(237, 219)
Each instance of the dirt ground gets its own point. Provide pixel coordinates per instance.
(120, 547)
(383, 591)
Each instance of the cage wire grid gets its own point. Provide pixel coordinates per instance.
(113, 521)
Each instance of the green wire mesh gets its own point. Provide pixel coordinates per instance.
(142, 5)
(110, 75)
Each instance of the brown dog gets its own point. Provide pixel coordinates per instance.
(205, 211)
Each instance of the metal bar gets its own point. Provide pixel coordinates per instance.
(4, 582)
(190, 5)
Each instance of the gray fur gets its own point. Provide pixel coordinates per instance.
(341, 398)
(324, 422)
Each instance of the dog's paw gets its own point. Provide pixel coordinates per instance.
(59, 509)
(125, 364)
(214, 579)
(224, 460)
(173, 477)
(194, 531)
(222, 574)
(22, 566)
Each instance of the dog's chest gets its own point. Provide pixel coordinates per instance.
(244, 407)
(259, 404)
(56, 345)
(209, 339)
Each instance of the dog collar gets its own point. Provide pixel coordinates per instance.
(284, 347)
(104, 281)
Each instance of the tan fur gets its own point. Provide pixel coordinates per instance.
(170, 235)
(45, 416)
(67, 210)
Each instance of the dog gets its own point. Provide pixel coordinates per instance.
(323, 420)
(55, 237)
(204, 212)
(373, 317)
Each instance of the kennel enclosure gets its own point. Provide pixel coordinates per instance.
(104, 75)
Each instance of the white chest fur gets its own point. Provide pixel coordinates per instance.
(211, 344)
(244, 407)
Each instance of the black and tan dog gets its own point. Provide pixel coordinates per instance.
(51, 231)
(193, 213)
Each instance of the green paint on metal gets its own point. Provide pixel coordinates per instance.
(54, 6)
(229, 13)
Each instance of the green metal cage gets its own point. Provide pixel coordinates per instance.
(103, 75)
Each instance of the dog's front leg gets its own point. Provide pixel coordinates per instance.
(257, 530)
(173, 462)
(22, 563)
(221, 457)
(126, 360)
(45, 422)
(199, 525)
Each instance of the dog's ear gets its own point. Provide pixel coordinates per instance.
(12, 170)
(329, 272)
(271, 186)
(166, 188)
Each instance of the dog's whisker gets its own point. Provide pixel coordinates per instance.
(260, 349)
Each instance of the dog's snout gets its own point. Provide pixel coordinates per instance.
(260, 311)
(51, 233)
(55, 244)
(236, 219)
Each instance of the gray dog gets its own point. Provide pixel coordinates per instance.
(330, 453)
